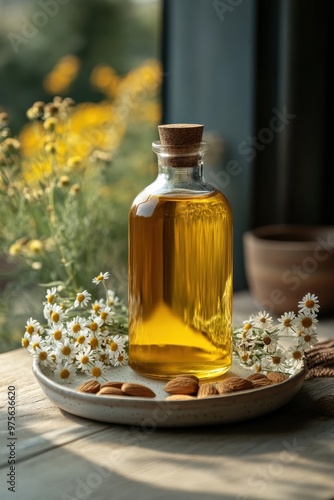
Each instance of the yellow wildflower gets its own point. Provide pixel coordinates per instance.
(35, 246)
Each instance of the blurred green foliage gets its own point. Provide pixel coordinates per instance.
(117, 33)
(120, 33)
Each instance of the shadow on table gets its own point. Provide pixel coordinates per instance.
(267, 457)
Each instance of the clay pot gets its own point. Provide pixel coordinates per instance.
(284, 262)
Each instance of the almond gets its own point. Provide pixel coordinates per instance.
(262, 382)
(110, 391)
(90, 387)
(276, 377)
(206, 390)
(179, 397)
(238, 383)
(256, 376)
(139, 390)
(181, 385)
(222, 388)
(113, 384)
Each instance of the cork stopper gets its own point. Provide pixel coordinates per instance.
(179, 134)
(181, 143)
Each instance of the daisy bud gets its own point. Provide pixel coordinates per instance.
(50, 124)
(74, 161)
(69, 102)
(75, 189)
(63, 181)
(50, 147)
(51, 109)
(11, 146)
(39, 106)
(4, 118)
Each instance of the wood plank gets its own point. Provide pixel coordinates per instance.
(40, 425)
(287, 454)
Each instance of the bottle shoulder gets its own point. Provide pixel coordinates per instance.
(170, 190)
(147, 203)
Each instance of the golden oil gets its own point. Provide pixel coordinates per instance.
(180, 284)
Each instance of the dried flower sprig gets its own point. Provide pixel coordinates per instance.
(79, 335)
(65, 183)
(258, 341)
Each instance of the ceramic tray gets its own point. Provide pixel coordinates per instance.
(157, 412)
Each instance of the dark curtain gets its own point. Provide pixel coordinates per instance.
(293, 175)
(258, 72)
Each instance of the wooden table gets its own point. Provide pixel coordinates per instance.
(288, 454)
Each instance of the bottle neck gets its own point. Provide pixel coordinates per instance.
(180, 180)
(181, 167)
(181, 174)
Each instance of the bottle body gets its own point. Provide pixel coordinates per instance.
(180, 277)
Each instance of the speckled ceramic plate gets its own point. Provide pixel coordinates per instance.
(157, 412)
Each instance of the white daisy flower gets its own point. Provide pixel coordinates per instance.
(25, 341)
(98, 306)
(94, 342)
(106, 314)
(64, 373)
(307, 340)
(121, 359)
(306, 322)
(247, 331)
(269, 342)
(50, 295)
(295, 355)
(65, 350)
(246, 356)
(112, 298)
(33, 327)
(81, 341)
(53, 313)
(76, 325)
(287, 321)
(248, 324)
(309, 304)
(95, 324)
(84, 358)
(262, 320)
(103, 357)
(243, 335)
(44, 356)
(244, 344)
(35, 341)
(276, 360)
(101, 277)
(82, 299)
(55, 333)
(97, 370)
(258, 366)
(116, 345)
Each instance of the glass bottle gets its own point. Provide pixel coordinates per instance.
(180, 265)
